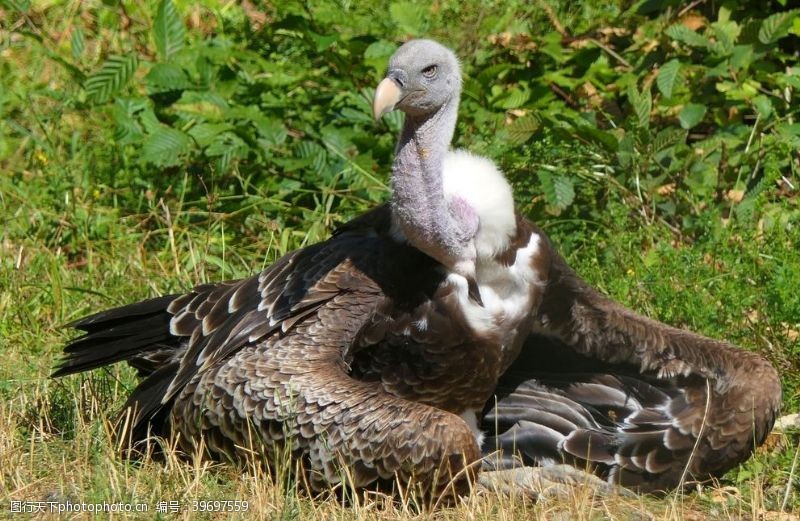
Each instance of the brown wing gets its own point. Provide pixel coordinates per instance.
(269, 356)
(177, 336)
(633, 397)
(293, 392)
(219, 319)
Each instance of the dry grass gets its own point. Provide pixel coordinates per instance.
(65, 252)
(42, 465)
(55, 442)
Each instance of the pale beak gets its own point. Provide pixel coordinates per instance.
(386, 97)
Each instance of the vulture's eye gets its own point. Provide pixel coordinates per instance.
(430, 71)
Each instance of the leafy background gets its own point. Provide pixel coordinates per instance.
(146, 146)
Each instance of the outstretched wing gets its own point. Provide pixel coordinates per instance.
(643, 403)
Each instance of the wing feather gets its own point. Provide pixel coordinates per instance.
(654, 400)
(276, 300)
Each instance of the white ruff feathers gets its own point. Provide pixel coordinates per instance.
(505, 290)
(478, 181)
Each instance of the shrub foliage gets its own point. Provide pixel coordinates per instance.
(138, 140)
(677, 110)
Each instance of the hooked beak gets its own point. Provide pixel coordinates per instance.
(387, 95)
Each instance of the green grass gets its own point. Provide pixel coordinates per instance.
(55, 442)
(88, 222)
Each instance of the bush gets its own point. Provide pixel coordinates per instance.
(674, 111)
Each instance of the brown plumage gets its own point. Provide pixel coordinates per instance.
(641, 403)
(322, 349)
(353, 352)
(374, 350)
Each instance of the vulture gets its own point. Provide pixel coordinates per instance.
(369, 355)
(432, 338)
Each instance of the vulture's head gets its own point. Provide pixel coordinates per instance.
(423, 76)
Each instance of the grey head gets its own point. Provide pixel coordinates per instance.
(423, 76)
(424, 81)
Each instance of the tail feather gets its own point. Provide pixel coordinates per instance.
(121, 315)
(138, 333)
(149, 413)
(125, 333)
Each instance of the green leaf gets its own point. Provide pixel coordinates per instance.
(565, 190)
(512, 99)
(521, 129)
(124, 112)
(667, 138)
(149, 121)
(490, 75)
(741, 57)
(377, 55)
(592, 133)
(271, 130)
(763, 106)
(410, 18)
(111, 78)
(168, 30)
(204, 104)
(323, 41)
(559, 190)
(314, 152)
(472, 88)
(77, 43)
(205, 133)
(776, 26)
(166, 77)
(642, 104)
(726, 33)
(228, 144)
(381, 49)
(691, 115)
(739, 91)
(352, 114)
(668, 76)
(683, 34)
(165, 147)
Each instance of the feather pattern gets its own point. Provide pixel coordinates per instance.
(355, 351)
(369, 361)
(373, 349)
(639, 402)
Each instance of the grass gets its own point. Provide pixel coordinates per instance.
(74, 241)
(54, 433)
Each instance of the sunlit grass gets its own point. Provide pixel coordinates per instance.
(55, 434)
(70, 246)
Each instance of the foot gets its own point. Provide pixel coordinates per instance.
(552, 482)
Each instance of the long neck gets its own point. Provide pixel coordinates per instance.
(418, 202)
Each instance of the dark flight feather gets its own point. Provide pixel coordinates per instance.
(646, 393)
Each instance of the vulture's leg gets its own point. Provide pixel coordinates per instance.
(551, 482)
